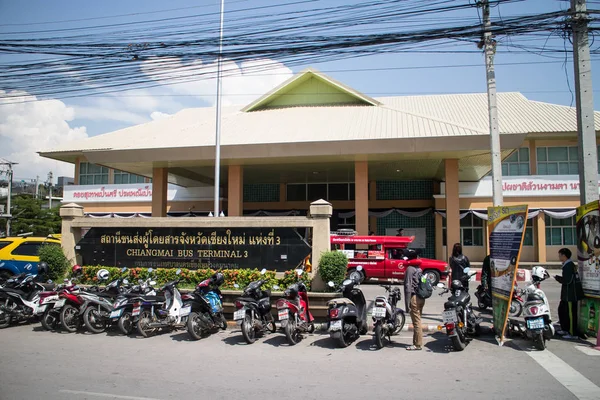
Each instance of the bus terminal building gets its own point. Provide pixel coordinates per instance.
(420, 163)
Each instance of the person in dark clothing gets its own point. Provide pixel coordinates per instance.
(486, 275)
(414, 303)
(458, 262)
(570, 294)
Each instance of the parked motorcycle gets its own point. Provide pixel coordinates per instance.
(19, 297)
(253, 311)
(294, 312)
(157, 315)
(347, 315)
(388, 319)
(538, 321)
(123, 308)
(458, 317)
(206, 305)
(484, 300)
(48, 314)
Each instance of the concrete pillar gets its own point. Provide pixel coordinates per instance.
(439, 237)
(540, 237)
(320, 212)
(159, 192)
(361, 203)
(111, 176)
(69, 235)
(373, 197)
(532, 158)
(77, 171)
(235, 191)
(282, 192)
(452, 205)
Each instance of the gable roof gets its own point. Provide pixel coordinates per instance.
(310, 88)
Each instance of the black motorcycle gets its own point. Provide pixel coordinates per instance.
(126, 309)
(253, 311)
(347, 315)
(19, 299)
(484, 300)
(206, 304)
(458, 317)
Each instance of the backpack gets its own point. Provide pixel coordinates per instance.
(424, 288)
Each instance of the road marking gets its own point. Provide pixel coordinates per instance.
(579, 385)
(588, 350)
(114, 396)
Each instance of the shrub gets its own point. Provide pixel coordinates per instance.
(56, 260)
(333, 266)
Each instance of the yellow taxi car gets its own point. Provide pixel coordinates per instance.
(20, 254)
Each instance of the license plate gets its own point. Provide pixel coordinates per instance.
(335, 326)
(536, 323)
(185, 311)
(378, 312)
(283, 314)
(136, 310)
(116, 313)
(239, 314)
(60, 303)
(449, 316)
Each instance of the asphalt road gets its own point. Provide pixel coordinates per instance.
(36, 364)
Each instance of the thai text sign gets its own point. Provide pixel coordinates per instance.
(507, 228)
(588, 257)
(277, 249)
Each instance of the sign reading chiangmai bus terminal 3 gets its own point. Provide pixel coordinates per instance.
(278, 249)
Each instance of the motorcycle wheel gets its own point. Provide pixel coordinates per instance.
(271, 324)
(93, 321)
(49, 320)
(482, 306)
(516, 308)
(193, 326)
(69, 318)
(378, 336)
(248, 330)
(344, 340)
(125, 323)
(400, 321)
(291, 331)
(223, 322)
(5, 318)
(539, 342)
(143, 324)
(458, 342)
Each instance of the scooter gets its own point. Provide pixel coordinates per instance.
(155, 315)
(484, 300)
(458, 317)
(206, 305)
(122, 312)
(19, 299)
(538, 321)
(294, 312)
(50, 316)
(388, 319)
(348, 314)
(253, 311)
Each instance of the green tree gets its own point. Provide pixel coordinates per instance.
(30, 216)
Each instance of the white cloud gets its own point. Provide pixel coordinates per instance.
(28, 126)
(242, 83)
(157, 115)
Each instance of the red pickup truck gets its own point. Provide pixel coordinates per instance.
(386, 257)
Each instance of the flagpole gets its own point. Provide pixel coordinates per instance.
(218, 121)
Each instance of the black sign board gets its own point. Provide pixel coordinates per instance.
(278, 249)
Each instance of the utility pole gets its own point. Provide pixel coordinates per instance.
(50, 190)
(37, 186)
(218, 122)
(489, 43)
(586, 131)
(9, 177)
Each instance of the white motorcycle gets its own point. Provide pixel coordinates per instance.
(536, 310)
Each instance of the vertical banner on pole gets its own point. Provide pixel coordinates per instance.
(588, 263)
(506, 227)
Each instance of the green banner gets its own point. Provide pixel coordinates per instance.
(588, 264)
(506, 226)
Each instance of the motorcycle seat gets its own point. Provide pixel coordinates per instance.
(17, 291)
(247, 299)
(340, 302)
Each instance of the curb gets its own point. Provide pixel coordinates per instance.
(321, 326)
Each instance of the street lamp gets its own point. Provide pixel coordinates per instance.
(218, 122)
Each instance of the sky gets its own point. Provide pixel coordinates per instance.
(30, 126)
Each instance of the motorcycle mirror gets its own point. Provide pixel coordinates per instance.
(276, 287)
(467, 270)
(330, 284)
(299, 272)
(125, 282)
(150, 270)
(235, 285)
(152, 283)
(263, 271)
(50, 281)
(178, 272)
(359, 268)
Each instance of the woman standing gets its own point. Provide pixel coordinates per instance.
(458, 262)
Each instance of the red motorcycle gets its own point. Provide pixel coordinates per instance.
(71, 312)
(294, 313)
(48, 311)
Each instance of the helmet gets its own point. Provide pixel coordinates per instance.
(76, 270)
(218, 279)
(538, 273)
(42, 268)
(456, 285)
(102, 275)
